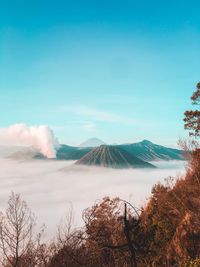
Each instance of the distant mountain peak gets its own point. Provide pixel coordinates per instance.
(145, 141)
(92, 142)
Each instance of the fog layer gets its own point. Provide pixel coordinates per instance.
(50, 187)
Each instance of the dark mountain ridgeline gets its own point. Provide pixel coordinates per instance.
(66, 152)
(144, 150)
(149, 151)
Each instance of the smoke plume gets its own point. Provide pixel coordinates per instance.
(40, 137)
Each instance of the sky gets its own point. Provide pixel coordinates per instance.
(122, 71)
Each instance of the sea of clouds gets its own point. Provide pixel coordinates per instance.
(50, 187)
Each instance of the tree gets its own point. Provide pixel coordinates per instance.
(110, 231)
(192, 117)
(18, 244)
(108, 238)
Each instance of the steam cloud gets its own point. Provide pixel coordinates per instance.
(40, 137)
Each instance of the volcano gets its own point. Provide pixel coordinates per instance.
(112, 157)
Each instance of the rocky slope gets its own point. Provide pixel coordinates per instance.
(112, 157)
(149, 151)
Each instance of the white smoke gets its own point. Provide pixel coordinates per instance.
(40, 137)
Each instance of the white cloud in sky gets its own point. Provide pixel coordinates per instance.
(83, 125)
(97, 115)
(90, 127)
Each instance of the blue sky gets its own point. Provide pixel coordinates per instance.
(119, 70)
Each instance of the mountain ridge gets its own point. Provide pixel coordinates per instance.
(149, 151)
(145, 150)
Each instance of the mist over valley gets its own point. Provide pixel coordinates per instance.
(51, 187)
